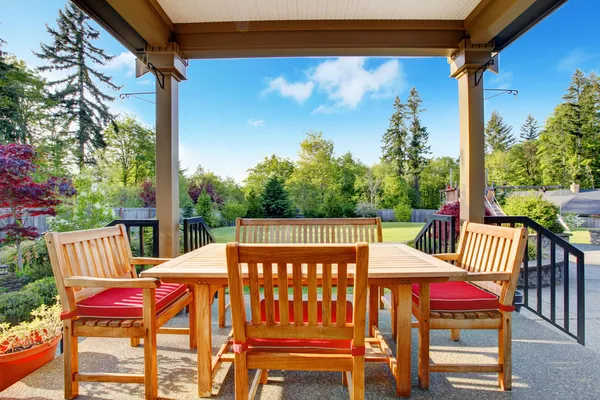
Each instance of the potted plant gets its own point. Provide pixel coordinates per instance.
(29, 345)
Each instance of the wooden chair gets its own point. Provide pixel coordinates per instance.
(492, 255)
(290, 333)
(304, 230)
(102, 296)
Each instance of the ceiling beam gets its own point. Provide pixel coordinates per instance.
(489, 19)
(149, 21)
(319, 38)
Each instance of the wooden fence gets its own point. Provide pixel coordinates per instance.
(121, 213)
(387, 215)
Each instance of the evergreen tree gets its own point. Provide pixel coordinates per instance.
(417, 147)
(82, 101)
(530, 129)
(498, 134)
(204, 208)
(275, 200)
(395, 138)
(8, 99)
(255, 209)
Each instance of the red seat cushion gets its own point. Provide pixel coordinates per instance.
(457, 296)
(305, 311)
(300, 344)
(126, 302)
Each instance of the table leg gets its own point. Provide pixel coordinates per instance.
(403, 339)
(373, 307)
(204, 330)
(424, 336)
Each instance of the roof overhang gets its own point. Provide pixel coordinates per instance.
(140, 24)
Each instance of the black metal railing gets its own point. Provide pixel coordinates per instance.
(196, 234)
(552, 277)
(437, 236)
(145, 231)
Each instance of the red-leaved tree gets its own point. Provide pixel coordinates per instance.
(148, 194)
(454, 210)
(195, 191)
(22, 197)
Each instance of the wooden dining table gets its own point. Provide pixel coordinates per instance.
(391, 265)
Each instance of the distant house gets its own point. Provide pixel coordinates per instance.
(584, 203)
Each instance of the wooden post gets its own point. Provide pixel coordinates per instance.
(172, 70)
(466, 67)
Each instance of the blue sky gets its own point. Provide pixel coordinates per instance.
(235, 112)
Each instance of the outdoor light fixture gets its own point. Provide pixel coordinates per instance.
(3, 269)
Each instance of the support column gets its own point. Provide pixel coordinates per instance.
(171, 70)
(466, 66)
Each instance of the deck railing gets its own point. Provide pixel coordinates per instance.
(437, 236)
(553, 277)
(142, 229)
(196, 234)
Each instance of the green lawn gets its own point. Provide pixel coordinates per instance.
(392, 232)
(580, 235)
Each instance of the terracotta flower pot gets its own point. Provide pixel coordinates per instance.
(15, 366)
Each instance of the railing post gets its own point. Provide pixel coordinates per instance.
(186, 246)
(580, 301)
(452, 235)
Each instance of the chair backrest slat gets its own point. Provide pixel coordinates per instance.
(99, 253)
(487, 248)
(275, 267)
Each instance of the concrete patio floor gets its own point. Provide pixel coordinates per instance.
(547, 364)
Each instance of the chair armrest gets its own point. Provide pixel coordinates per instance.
(447, 256)
(488, 276)
(88, 281)
(148, 260)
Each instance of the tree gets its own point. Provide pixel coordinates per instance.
(395, 138)
(204, 208)
(148, 194)
(8, 99)
(281, 168)
(255, 209)
(130, 151)
(369, 185)
(498, 134)
(317, 173)
(81, 99)
(24, 197)
(435, 177)
(530, 129)
(417, 146)
(275, 200)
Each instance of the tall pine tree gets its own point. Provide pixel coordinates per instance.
(417, 147)
(498, 134)
(530, 130)
(8, 99)
(275, 200)
(395, 138)
(83, 102)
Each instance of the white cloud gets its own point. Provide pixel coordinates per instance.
(145, 82)
(124, 61)
(573, 59)
(323, 109)
(300, 91)
(346, 80)
(256, 122)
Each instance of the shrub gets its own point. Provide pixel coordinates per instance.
(204, 209)
(454, 210)
(403, 212)
(17, 306)
(37, 261)
(542, 211)
(366, 210)
(573, 221)
(44, 288)
(232, 210)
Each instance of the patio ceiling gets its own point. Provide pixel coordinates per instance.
(265, 28)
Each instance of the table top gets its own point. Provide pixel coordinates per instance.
(387, 261)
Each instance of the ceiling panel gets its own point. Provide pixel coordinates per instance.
(188, 11)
